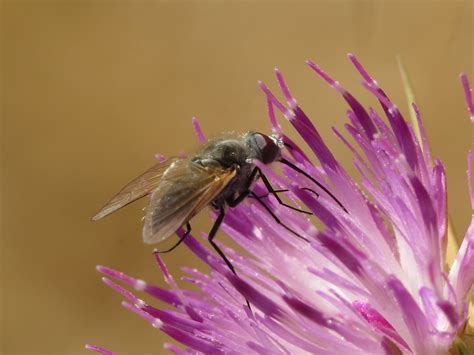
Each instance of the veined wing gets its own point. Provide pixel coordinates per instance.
(184, 192)
(137, 188)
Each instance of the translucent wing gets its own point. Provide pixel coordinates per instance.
(184, 191)
(137, 188)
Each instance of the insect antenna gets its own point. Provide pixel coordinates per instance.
(294, 167)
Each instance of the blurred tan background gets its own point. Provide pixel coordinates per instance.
(91, 90)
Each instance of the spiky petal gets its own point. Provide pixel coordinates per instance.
(371, 281)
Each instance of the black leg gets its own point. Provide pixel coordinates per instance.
(308, 189)
(270, 189)
(286, 190)
(234, 202)
(294, 167)
(210, 238)
(274, 191)
(188, 230)
(276, 218)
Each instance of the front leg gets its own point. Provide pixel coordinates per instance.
(231, 201)
(270, 189)
(275, 217)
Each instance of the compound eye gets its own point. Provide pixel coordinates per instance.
(268, 149)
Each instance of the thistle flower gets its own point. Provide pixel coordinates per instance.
(373, 280)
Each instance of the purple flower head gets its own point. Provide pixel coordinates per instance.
(373, 280)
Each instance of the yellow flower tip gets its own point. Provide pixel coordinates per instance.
(453, 244)
(463, 345)
(469, 330)
(410, 96)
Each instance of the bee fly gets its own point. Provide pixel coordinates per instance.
(220, 174)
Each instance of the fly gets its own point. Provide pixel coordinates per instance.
(220, 174)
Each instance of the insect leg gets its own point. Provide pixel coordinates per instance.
(276, 218)
(274, 191)
(234, 202)
(188, 230)
(286, 190)
(211, 236)
(270, 189)
(294, 167)
(278, 191)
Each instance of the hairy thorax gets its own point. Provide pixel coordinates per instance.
(228, 154)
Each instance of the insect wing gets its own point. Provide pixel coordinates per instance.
(184, 192)
(137, 188)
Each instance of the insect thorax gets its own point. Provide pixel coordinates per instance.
(223, 153)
